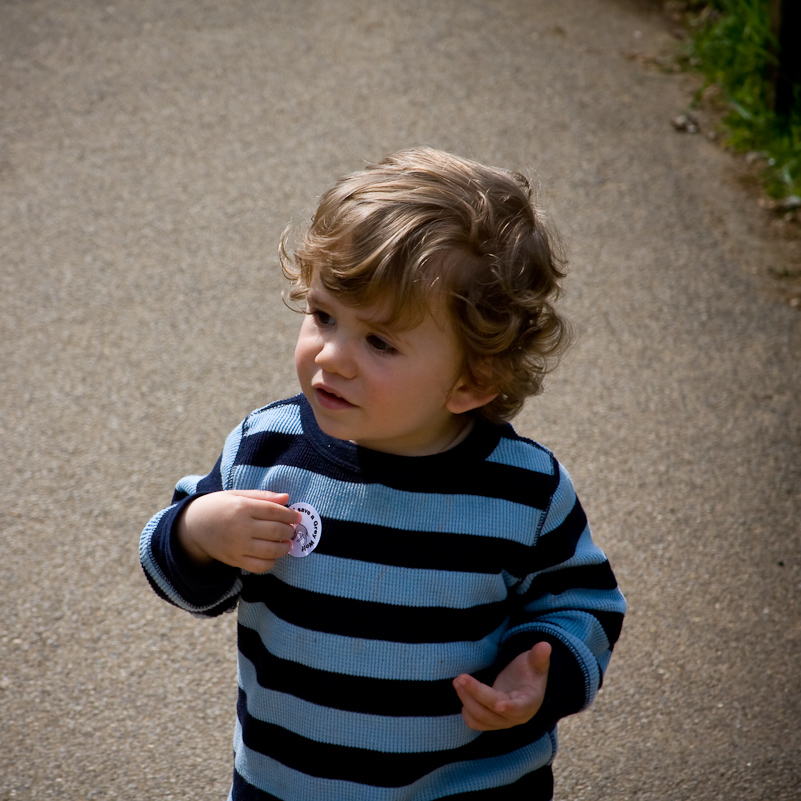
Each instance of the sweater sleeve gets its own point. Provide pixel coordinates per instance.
(571, 600)
(204, 591)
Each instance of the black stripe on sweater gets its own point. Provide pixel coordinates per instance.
(426, 550)
(359, 619)
(559, 545)
(584, 577)
(536, 786)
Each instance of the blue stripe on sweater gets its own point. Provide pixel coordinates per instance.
(379, 505)
(280, 418)
(228, 458)
(188, 484)
(524, 454)
(582, 626)
(581, 600)
(401, 586)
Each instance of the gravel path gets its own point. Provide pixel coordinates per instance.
(150, 155)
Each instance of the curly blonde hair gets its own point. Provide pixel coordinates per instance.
(424, 224)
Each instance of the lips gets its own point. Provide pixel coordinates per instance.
(329, 399)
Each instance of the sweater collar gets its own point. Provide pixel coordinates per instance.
(477, 445)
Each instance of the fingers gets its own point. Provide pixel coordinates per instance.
(249, 529)
(515, 696)
(270, 506)
(268, 536)
(262, 560)
(475, 692)
(483, 708)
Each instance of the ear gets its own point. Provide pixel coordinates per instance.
(465, 397)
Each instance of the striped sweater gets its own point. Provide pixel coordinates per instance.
(425, 568)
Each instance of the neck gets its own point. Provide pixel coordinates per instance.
(461, 436)
(450, 439)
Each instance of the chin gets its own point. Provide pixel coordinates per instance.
(330, 428)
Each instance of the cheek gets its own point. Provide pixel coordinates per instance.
(397, 389)
(304, 350)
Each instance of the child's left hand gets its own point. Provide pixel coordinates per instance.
(514, 698)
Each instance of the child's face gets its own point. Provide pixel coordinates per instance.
(384, 387)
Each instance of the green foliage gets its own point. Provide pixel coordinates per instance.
(733, 46)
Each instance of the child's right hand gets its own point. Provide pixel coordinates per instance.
(248, 529)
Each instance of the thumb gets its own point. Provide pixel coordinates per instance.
(539, 658)
(263, 495)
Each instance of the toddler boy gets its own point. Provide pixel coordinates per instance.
(419, 597)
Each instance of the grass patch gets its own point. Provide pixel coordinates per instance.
(732, 45)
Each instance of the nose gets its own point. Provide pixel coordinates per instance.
(335, 357)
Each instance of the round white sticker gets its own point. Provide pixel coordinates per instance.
(307, 532)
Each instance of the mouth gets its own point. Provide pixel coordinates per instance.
(329, 399)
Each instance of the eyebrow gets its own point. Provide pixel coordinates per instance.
(395, 331)
(311, 297)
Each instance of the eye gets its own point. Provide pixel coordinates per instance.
(321, 318)
(380, 345)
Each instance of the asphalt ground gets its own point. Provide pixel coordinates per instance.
(150, 155)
